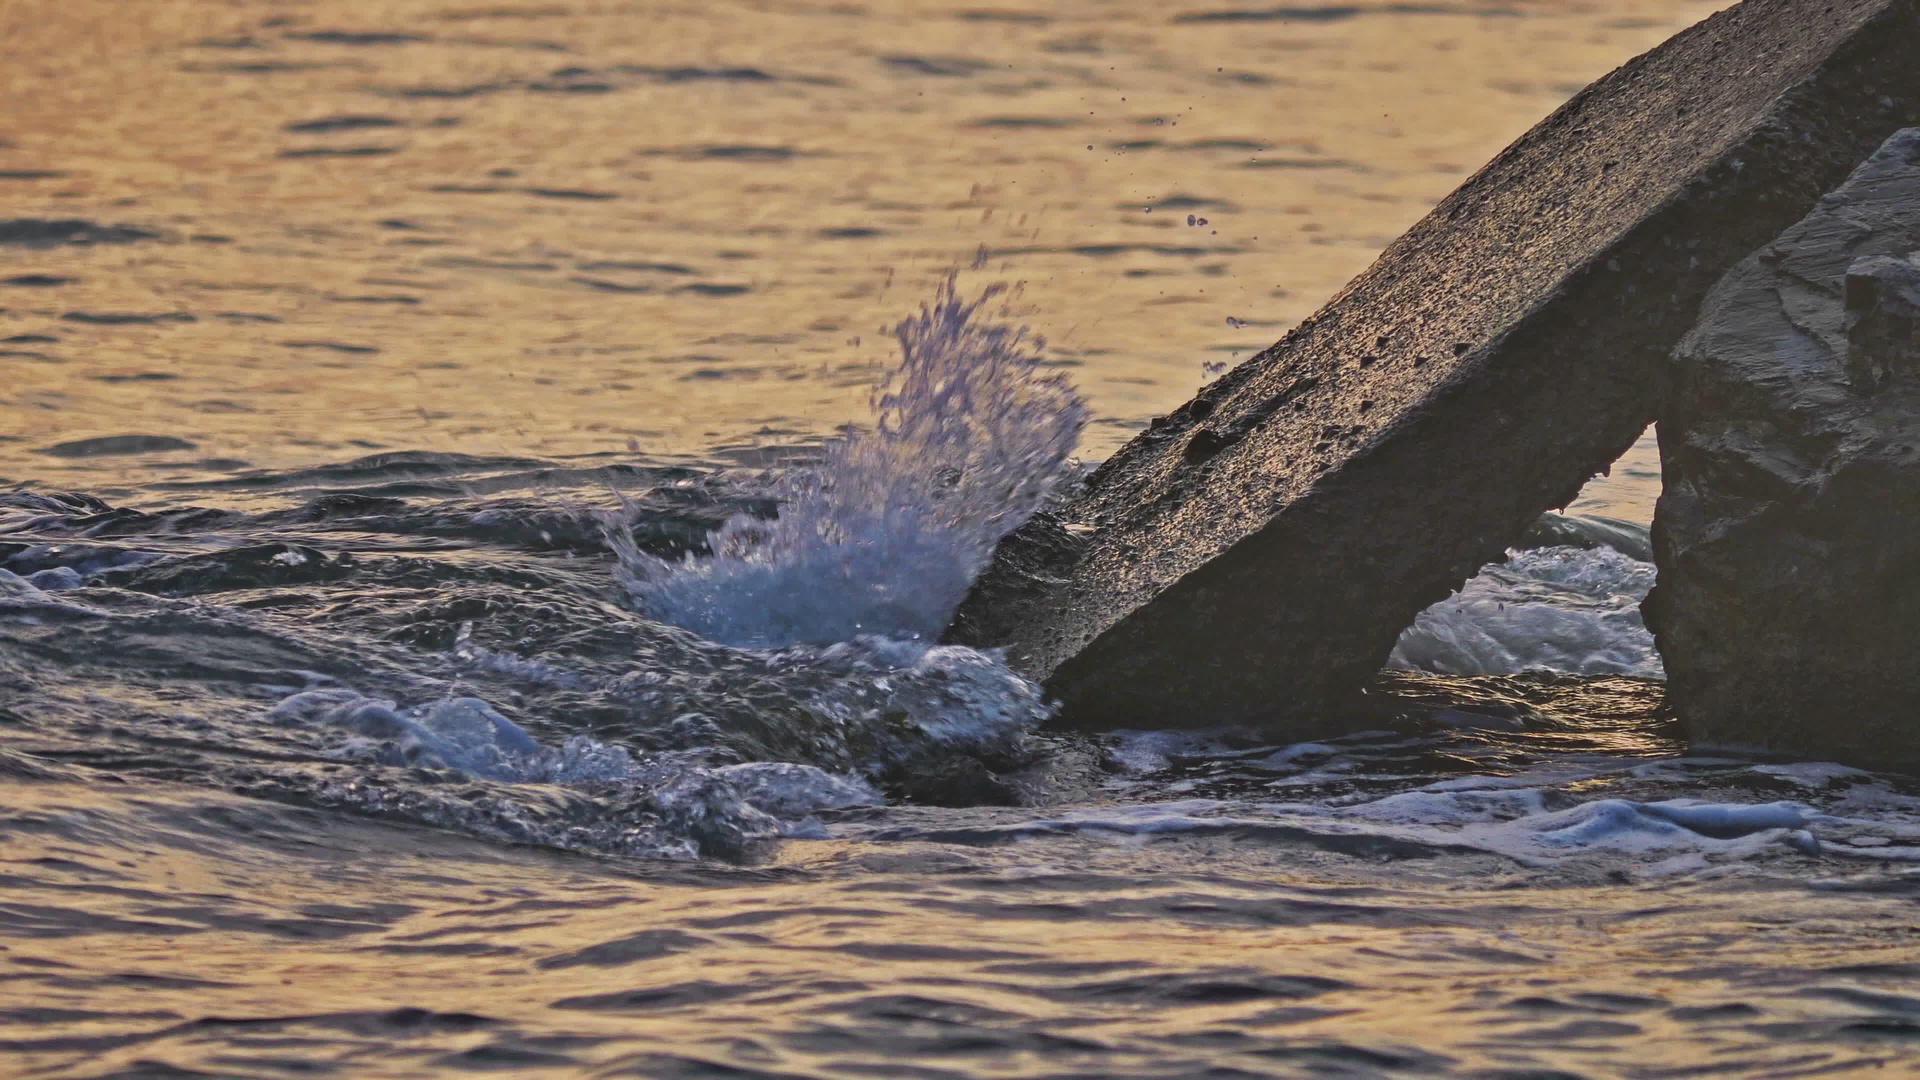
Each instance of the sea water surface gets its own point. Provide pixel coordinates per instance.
(371, 367)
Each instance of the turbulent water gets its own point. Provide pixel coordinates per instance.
(446, 627)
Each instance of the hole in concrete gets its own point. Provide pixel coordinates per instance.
(1566, 598)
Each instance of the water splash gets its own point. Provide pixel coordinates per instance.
(887, 533)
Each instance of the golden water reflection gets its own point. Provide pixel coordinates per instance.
(561, 229)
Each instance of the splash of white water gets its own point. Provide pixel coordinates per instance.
(887, 533)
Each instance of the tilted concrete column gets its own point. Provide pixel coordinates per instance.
(1251, 557)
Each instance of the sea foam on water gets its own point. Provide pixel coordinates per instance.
(885, 535)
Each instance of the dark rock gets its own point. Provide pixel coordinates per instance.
(1254, 554)
(1788, 529)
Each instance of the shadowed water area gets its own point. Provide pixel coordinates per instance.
(371, 369)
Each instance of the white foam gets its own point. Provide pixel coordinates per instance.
(794, 792)
(470, 737)
(965, 699)
(1655, 838)
(1525, 824)
(1626, 825)
(1546, 609)
(466, 735)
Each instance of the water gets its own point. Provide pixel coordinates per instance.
(1552, 608)
(337, 740)
(968, 437)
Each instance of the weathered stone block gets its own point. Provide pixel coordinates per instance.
(1251, 557)
(1788, 529)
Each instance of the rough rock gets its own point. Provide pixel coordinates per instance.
(1788, 529)
(1252, 556)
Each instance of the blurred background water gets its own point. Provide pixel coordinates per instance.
(563, 228)
(330, 745)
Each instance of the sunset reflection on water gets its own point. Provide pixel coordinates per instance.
(565, 229)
